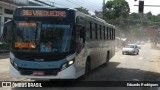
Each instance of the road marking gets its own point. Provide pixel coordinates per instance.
(140, 58)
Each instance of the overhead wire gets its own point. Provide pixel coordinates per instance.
(74, 3)
(88, 4)
(53, 2)
(60, 4)
(79, 4)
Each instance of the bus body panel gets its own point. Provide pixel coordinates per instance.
(80, 62)
(95, 49)
(68, 73)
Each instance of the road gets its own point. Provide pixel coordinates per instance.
(142, 67)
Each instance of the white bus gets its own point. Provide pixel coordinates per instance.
(57, 43)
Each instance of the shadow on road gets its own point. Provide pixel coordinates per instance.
(104, 73)
(88, 88)
(130, 54)
(114, 73)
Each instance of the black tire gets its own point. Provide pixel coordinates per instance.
(107, 58)
(87, 68)
(138, 52)
(133, 53)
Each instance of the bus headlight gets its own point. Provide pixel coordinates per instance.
(67, 64)
(70, 62)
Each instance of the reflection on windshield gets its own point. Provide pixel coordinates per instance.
(55, 38)
(25, 35)
(130, 46)
(26, 32)
(42, 36)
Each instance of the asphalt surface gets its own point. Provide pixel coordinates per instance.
(142, 67)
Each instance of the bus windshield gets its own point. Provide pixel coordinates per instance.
(55, 38)
(43, 36)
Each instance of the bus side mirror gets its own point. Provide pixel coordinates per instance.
(82, 34)
(7, 32)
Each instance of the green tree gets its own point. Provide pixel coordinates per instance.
(84, 10)
(134, 16)
(116, 8)
(149, 14)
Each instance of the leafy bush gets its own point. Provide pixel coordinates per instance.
(4, 47)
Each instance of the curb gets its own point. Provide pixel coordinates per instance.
(1, 52)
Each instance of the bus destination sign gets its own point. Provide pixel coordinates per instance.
(43, 13)
(27, 24)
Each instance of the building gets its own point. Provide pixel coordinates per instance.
(7, 8)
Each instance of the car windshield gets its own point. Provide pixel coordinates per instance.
(129, 46)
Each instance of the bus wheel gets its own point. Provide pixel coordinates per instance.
(107, 58)
(87, 68)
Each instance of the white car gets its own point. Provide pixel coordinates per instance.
(138, 44)
(130, 49)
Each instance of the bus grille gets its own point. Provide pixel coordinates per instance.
(25, 71)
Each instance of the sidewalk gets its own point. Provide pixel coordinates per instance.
(4, 51)
(4, 55)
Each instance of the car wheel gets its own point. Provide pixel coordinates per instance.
(138, 52)
(133, 53)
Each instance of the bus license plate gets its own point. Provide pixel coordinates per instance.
(38, 73)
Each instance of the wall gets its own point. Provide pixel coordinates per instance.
(4, 15)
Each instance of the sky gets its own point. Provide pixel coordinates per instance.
(93, 5)
(154, 10)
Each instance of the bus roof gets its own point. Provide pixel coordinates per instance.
(44, 7)
(48, 7)
(96, 18)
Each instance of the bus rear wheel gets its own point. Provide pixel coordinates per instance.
(87, 68)
(107, 58)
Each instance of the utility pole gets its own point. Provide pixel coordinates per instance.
(103, 7)
(140, 11)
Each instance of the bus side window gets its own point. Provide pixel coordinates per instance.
(80, 34)
(80, 37)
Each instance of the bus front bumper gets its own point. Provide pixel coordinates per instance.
(68, 73)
